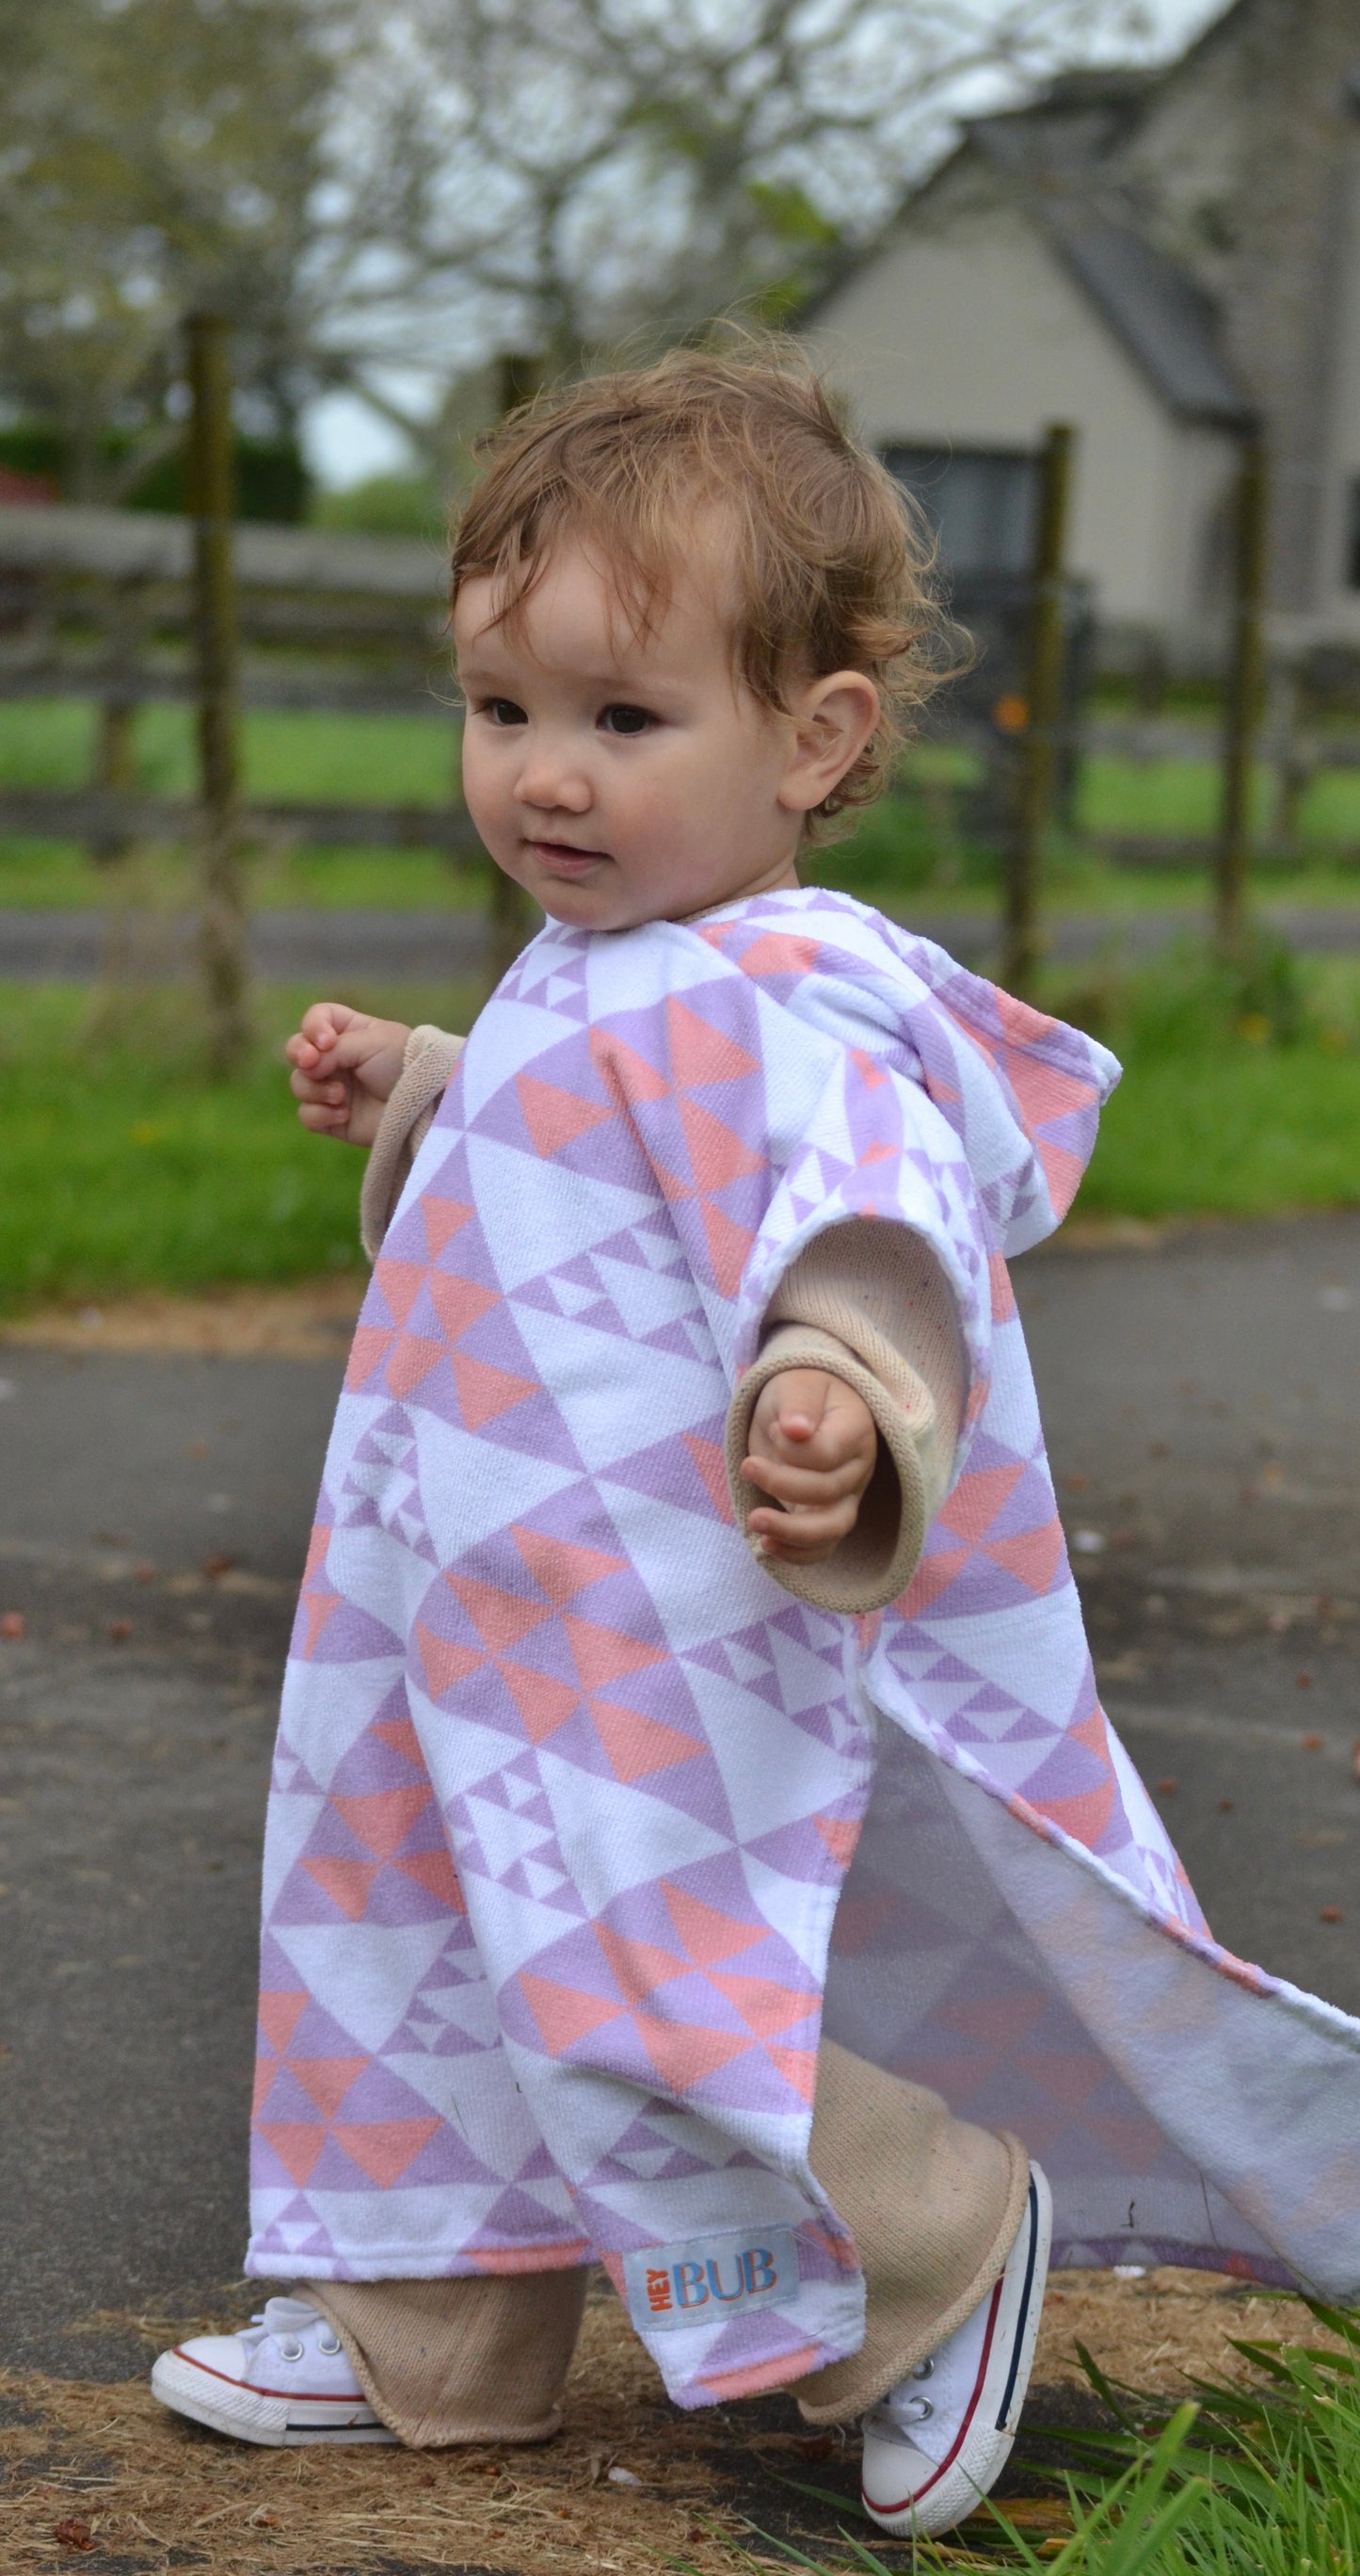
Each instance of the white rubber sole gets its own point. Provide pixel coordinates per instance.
(261, 2414)
(910, 2495)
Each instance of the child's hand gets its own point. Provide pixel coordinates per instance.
(345, 1065)
(813, 1447)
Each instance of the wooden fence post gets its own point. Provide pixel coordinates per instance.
(114, 770)
(212, 504)
(1242, 717)
(1044, 696)
(511, 917)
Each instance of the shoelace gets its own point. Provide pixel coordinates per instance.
(290, 2344)
(902, 2406)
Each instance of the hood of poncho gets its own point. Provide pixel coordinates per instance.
(1023, 1092)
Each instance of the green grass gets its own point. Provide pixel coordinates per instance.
(408, 760)
(911, 851)
(1241, 1089)
(1260, 2481)
(1182, 797)
(1251, 1132)
(122, 1167)
(353, 759)
(60, 876)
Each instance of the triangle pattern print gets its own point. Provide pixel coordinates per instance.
(582, 1827)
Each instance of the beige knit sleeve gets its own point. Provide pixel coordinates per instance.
(428, 1062)
(868, 1302)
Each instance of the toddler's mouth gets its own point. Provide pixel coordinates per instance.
(561, 859)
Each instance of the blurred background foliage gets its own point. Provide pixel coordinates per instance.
(392, 198)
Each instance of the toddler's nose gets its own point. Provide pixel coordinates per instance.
(551, 781)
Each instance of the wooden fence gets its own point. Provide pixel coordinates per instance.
(98, 604)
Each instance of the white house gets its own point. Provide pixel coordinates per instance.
(1165, 260)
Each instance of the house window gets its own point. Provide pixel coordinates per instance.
(1353, 539)
(980, 500)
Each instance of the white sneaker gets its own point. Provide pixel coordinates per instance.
(930, 2457)
(285, 2379)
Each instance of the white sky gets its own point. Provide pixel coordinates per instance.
(346, 442)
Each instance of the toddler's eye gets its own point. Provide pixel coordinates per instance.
(503, 711)
(625, 720)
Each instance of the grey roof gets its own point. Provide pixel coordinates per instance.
(1160, 311)
(1061, 156)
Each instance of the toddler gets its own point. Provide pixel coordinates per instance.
(695, 1843)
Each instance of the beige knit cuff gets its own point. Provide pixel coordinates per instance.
(479, 2359)
(879, 1556)
(430, 1057)
(934, 2204)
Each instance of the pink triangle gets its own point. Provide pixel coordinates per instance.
(544, 1704)
(555, 1118)
(636, 1744)
(563, 2013)
(326, 2079)
(384, 2148)
(296, 2143)
(712, 1467)
(443, 1217)
(717, 1154)
(701, 1053)
(602, 1655)
(683, 2053)
(411, 1361)
(978, 1497)
(400, 1283)
(434, 1871)
(707, 1934)
(561, 1569)
(279, 2016)
(383, 1818)
(501, 1616)
(345, 1882)
(444, 1660)
(627, 1073)
(457, 1302)
(370, 1347)
(483, 1391)
(729, 1247)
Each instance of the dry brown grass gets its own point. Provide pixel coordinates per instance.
(313, 1318)
(108, 2467)
(310, 1322)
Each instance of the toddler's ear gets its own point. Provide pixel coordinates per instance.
(833, 719)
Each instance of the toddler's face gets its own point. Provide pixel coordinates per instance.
(621, 778)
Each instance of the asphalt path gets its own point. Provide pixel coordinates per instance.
(1203, 1405)
(298, 946)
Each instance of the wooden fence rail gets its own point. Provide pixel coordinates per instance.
(99, 604)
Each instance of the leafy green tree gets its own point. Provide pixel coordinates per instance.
(549, 176)
(155, 155)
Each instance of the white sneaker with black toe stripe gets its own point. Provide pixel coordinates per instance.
(284, 2379)
(939, 2441)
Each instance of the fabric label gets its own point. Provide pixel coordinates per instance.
(709, 2277)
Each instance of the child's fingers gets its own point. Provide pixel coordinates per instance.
(811, 1418)
(323, 1021)
(325, 1028)
(804, 1484)
(334, 1094)
(803, 1537)
(322, 1121)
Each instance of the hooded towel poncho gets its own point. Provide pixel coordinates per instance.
(579, 1823)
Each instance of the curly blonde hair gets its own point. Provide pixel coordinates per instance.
(830, 563)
